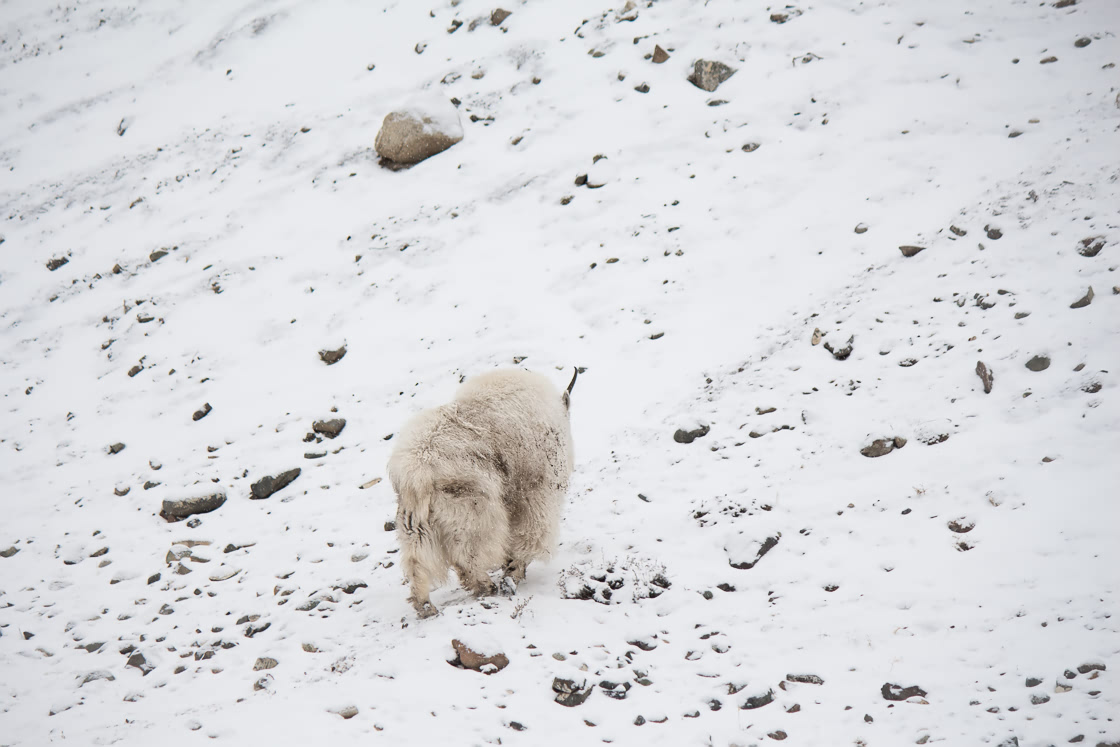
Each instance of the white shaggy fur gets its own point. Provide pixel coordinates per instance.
(480, 482)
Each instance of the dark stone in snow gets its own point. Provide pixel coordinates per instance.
(986, 376)
(251, 630)
(1033, 682)
(138, 661)
(659, 54)
(686, 437)
(768, 544)
(1084, 300)
(1038, 363)
(329, 428)
(157, 255)
(330, 357)
(615, 690)
(9, 552)
(910, 250)
(993, 233)
(1091, 667)
(841, 354)
(201, 412)
(176, 510)
(266, 486)
(57, 262)
(809, 679)
(570, 694)
(897, 692)
(116, 448)
(498, 16)
(757, 701)
(1091, 246)
(351, 586)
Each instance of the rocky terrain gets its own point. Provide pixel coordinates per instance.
(840, 279)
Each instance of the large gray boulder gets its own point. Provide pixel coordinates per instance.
(411, 135)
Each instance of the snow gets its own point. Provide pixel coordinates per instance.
(238, 138)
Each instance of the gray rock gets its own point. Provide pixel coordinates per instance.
(329, 428)
(686, 437)
(406, 138)
(1084, 300)
(861, 228)
(9, 552)
(55, 263)
(157, 255)
(909, 250)
(569, 693)
(177, 510)
(767, 545)
(1091, 246)
(266, 486)
(993, 233)
(498, 16)
(331, 357)
(882, 446)
(1038, 363)
(116, 448)
(809, 679)
(264, 662)
(897, 692)
(1033, 682)
(137, 660)
(1094, 666)
(757, 701)
(1083, 42)
(841, 354)
(347, 712)
(659, 54)
(708, 74)
(201, 412)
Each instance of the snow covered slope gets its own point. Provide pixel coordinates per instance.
(192, 211)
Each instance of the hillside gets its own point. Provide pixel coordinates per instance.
(799, 272)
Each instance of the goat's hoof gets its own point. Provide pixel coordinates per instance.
(508, 587)
(426, 611)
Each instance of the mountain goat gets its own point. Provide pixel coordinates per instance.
(480, 482)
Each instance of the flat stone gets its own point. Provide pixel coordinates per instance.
(767, 545)
(266, 486)
(9, 551)
(265, 662)
(757, 701)
(468, 659)
(1038, 363)
(809, 679)
(176, 510)
(686, 437)
(116, 448)
(347, 712)
(329, 428)
(891, 691)
(55, 263)
(909, 250)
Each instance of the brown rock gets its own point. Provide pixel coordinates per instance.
(330, 357)
(1091, 246)
(406, 138)
(1038, 363)
(910, 250)
(468, 659)
(985, 375)
(268, 485)
(659, 54)
(1084, 300)
(498, 16)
